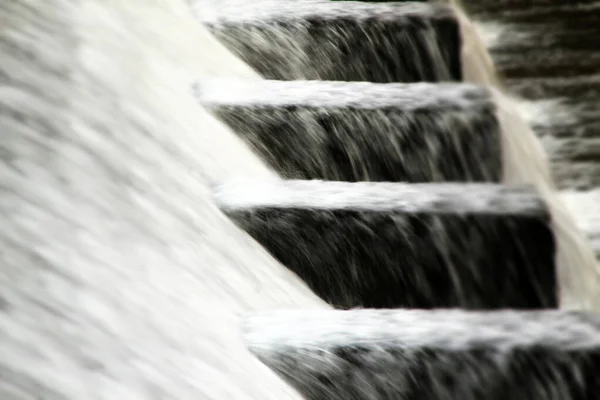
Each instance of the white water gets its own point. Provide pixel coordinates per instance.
(129, 282)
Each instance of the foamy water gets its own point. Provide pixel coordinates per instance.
(120, 278)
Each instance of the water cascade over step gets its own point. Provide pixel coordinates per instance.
(431, 355)
(389, 245)
(360, 131)
(401, 42)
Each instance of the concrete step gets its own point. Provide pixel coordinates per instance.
(399, 42)
(430, 355)
(359, 131)
(476, 246)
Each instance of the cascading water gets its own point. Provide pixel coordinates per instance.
(119, 277)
